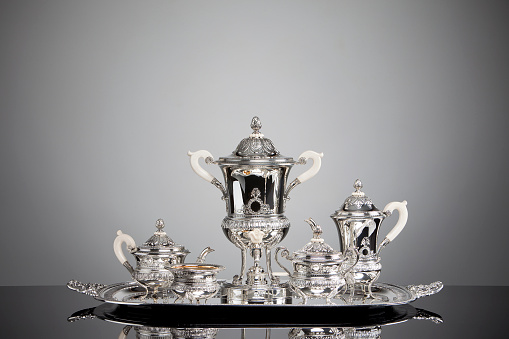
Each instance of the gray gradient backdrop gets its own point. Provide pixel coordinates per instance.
(101, 100)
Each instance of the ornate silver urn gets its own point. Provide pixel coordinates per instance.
(151, 258)
(255, 191)
(358, 222)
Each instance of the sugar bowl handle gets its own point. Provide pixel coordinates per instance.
(403, 218)
(285, 254)
(194, 158)
(311, 172)
(117, 248)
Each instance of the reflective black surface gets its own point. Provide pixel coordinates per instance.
(467, 312)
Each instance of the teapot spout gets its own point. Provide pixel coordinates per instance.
(203, 254)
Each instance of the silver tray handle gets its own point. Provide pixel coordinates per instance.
(420, 291)
(90, 289)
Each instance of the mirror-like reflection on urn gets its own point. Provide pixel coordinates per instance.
(255, 193)
(358, 223)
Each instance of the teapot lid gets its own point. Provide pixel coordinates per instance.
(358, 205)
(161, 243)
(256, 149)
(317, 250)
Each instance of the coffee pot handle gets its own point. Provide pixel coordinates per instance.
(285, 254)
(194, 158)
(117, 248)
(403, 218)
(311, 172)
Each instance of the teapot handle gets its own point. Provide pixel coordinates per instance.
(311, 172)
(194, 158)
(403, 218)
(117, 248)
(284, 254)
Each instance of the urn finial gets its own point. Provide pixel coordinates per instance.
(256, 124)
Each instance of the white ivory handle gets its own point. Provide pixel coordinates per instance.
(194, 158)
(403, 218)
(117, 246)
(317, 163)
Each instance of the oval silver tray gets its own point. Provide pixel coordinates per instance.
(131, 293)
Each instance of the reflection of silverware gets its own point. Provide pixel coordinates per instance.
(151, 258)
(317, 268)
(255, 191)
(358, 222)
(195, 281)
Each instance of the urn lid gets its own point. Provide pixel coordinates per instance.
(256, 149)
(161, 243)
(317, 250)
(357, 205)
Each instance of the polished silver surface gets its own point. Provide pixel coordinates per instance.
(318, 270)
(358, 223)
(152, 258)
(131, 293)
(255, 193)
(197, 281)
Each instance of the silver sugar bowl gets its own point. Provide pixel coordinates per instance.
(255, 191)
(358, 223)
(151, 258)
(195, 281)
(318, 270)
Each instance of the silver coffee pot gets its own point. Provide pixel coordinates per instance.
(255, 192)
(358, 222)
(152, 258)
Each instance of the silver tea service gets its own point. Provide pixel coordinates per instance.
(318, 270)
(195, 281)
(358, 222)
(255, 193)
(151, 258)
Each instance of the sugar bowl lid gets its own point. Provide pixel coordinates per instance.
(161, 243)
(317, 250)
(357, 205)
(256, 149)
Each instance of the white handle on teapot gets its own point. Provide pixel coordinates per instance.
(117, 248)
(402, 220)
(311, 172)
(194, 158)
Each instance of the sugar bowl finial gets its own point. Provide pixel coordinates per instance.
(160, 225)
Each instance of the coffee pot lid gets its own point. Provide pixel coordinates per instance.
(317, 250)
(358, 204)
(256, 149)
(160, 242)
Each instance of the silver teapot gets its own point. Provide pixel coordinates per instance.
(151, 258)
(255, 191)
(318, 270)
(195, 281)
(358, 222)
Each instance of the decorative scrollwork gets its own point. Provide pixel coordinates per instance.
(90, 289)
(420, 291)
